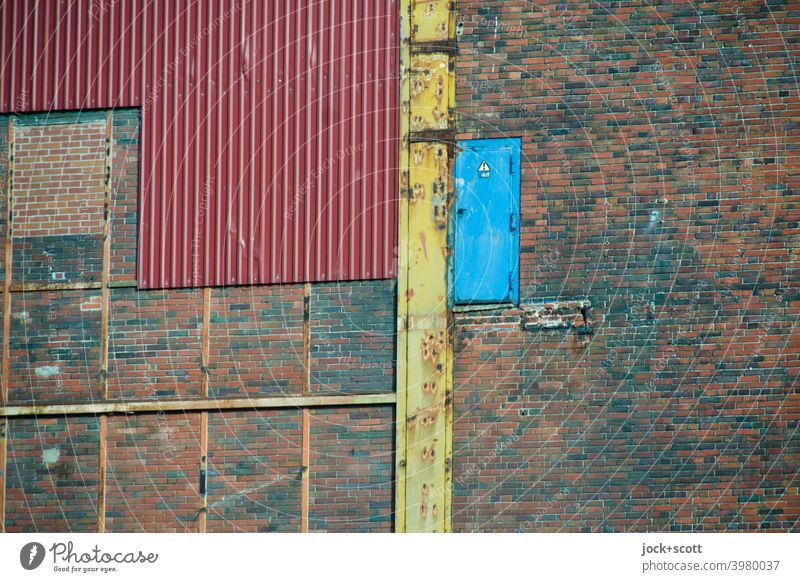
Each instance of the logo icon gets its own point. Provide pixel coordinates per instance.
(31, 555)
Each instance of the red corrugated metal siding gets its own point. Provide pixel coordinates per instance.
(269, 129)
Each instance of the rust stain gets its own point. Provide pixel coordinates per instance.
(424, 243)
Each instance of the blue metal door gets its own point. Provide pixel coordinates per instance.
(487, 222)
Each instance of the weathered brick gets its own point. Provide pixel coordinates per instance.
(153, 473)
(659, 182)
(256, 341)
(53, 474)
(58, 200)
(351, 469)
(54, 347)
(154, 341)
(124, 194)
(4, 166)
(352, 336)
(254, 471)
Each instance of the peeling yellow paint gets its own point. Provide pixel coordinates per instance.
(424, 353)
(431, 20)
(430, 102)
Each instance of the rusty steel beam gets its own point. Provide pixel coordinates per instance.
(202, 514)
(101, 493)
(205, 344)
(6, 351)
(197, 405)
(76, 286)
(304, 478)
(106, 260)
(401, 367)
(424, 360)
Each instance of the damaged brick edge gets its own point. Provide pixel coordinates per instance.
(557, 315)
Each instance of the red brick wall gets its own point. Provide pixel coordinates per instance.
(256, 341)
(352, 337)
(124, 194)
(153, 473)
(54, 345)
(154, 343)
(59, 197)
(660, 182)
(59, 179)
(254, 471)
(351, 468)
(53, 474)
(5, 163)
(256, 348)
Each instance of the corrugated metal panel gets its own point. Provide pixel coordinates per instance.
(269, 128)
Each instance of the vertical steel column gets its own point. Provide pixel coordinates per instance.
(9, 186)
(105, 291)
(202, 515)
(424, 353)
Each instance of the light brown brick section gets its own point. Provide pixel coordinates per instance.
(59, 179)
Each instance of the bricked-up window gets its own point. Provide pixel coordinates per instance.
(59, 197)
(486, 223)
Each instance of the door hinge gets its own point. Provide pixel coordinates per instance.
(511, 226)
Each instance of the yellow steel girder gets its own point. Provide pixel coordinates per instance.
(424, 353)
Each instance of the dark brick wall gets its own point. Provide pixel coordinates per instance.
(256, 341)
(256, 348)
(4, 167)
(54, 347)
(124, 194)
(659, 182)
(254, 471)
(58, 199)
(53, 475)
(351, 469)
(352, 337)
(57, 259)
(153, 473)
(154, 343)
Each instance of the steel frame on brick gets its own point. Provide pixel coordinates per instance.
(424, 349)
(8, 187)
(107, 407)
(424, 352)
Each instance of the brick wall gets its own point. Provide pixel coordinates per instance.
(352, 337)
(5, 162)
(154, 346)
(54, 345)
(256, 348)
(256, 341)
(153, 473)
(53, 474)
(124, 194)
(659, 182)
(254, 471)
(351, 484)
(59, 198)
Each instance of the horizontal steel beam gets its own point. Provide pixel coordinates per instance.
(198, 405)
(74, 286)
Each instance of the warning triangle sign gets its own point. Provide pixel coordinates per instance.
(484, 167)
